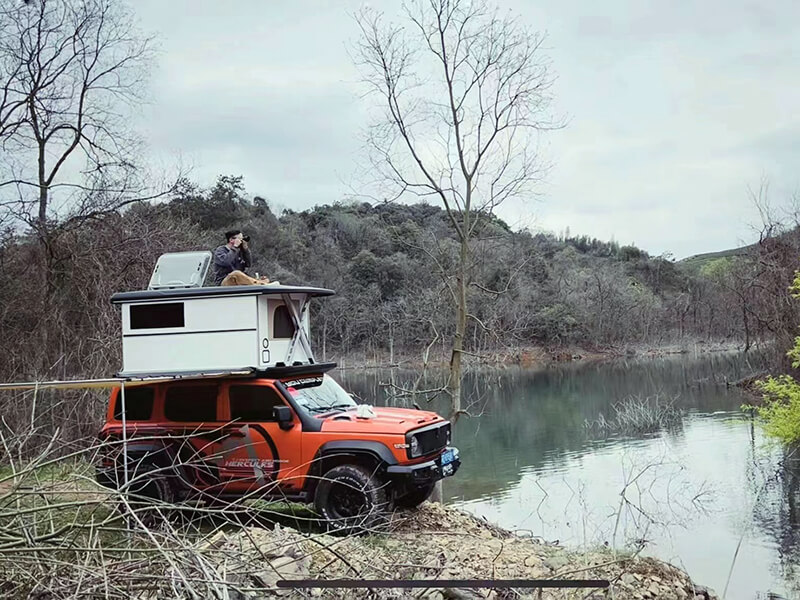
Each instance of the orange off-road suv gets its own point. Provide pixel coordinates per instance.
(288, 432)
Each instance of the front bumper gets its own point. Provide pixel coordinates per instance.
(426, 472)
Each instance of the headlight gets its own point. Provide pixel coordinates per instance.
(413, 447)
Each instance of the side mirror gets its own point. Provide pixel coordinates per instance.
(283, 415)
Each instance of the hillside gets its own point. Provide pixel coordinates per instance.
(697, 261)
(392, 266)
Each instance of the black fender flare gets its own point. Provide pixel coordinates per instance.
(378, 450)
(375, 450)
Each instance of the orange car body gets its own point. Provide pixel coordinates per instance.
(235, 437)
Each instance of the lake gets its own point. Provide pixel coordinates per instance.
(709, 494)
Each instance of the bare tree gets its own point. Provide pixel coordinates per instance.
(70, 72)
(464, 94)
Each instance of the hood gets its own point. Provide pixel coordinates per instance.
(386, 420)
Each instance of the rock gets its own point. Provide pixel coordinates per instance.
(461, 594)
(479, 551)
(556, 562)
(704, 592)
(282, 567)
(219, 539)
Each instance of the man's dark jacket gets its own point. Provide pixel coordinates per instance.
(227, 260)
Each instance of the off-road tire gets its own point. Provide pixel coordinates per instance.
(415, 497)
(351, 499)
(150, 494)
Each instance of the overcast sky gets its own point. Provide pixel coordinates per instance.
(674, 109)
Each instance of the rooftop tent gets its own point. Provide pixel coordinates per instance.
(178, 326)
(180, 270)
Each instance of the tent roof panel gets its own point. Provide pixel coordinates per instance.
(213, 292)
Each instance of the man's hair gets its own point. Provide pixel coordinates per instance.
(231, 234)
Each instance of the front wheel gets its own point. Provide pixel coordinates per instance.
(352, 499)
(416, 496)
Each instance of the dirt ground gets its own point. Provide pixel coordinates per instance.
(434, 542)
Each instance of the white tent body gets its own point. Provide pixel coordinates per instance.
(177, 326)
(222, 331)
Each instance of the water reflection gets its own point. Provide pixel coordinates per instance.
(777, 514)
(533, 418)
(692, 495)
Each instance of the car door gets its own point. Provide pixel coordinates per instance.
(192, 415)
(258, 452)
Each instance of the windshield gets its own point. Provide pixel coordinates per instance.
(319, 394)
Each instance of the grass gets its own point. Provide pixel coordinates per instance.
(638, 415)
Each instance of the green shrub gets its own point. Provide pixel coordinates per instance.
(781, 407)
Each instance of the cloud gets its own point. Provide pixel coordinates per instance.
(674, 109)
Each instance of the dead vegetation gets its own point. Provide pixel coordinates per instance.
(64, 537)
(637, 415)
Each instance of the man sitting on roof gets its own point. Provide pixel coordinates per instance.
(239, 278)
(233, 256)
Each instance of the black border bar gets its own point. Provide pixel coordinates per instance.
(442, 583)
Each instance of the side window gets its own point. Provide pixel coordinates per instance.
(282, 325)
(191, 403)
(155, 316)
(253, 402)
(138, 403)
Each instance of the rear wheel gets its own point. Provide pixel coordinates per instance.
(415, 497)
(150, 493)
(352, 499)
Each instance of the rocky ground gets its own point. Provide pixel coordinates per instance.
(433, 542)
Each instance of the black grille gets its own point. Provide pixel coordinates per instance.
(433, 439)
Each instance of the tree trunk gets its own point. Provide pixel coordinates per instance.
(324, 340)
(43, 191)
(746, 327)
(46, 266)
(391, 345)
(436, 495)
(461, 326)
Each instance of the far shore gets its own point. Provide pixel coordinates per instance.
(540, 356)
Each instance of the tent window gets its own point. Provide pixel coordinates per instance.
(282, 325)
(154, 316)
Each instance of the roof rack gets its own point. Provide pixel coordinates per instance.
(138, 379)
